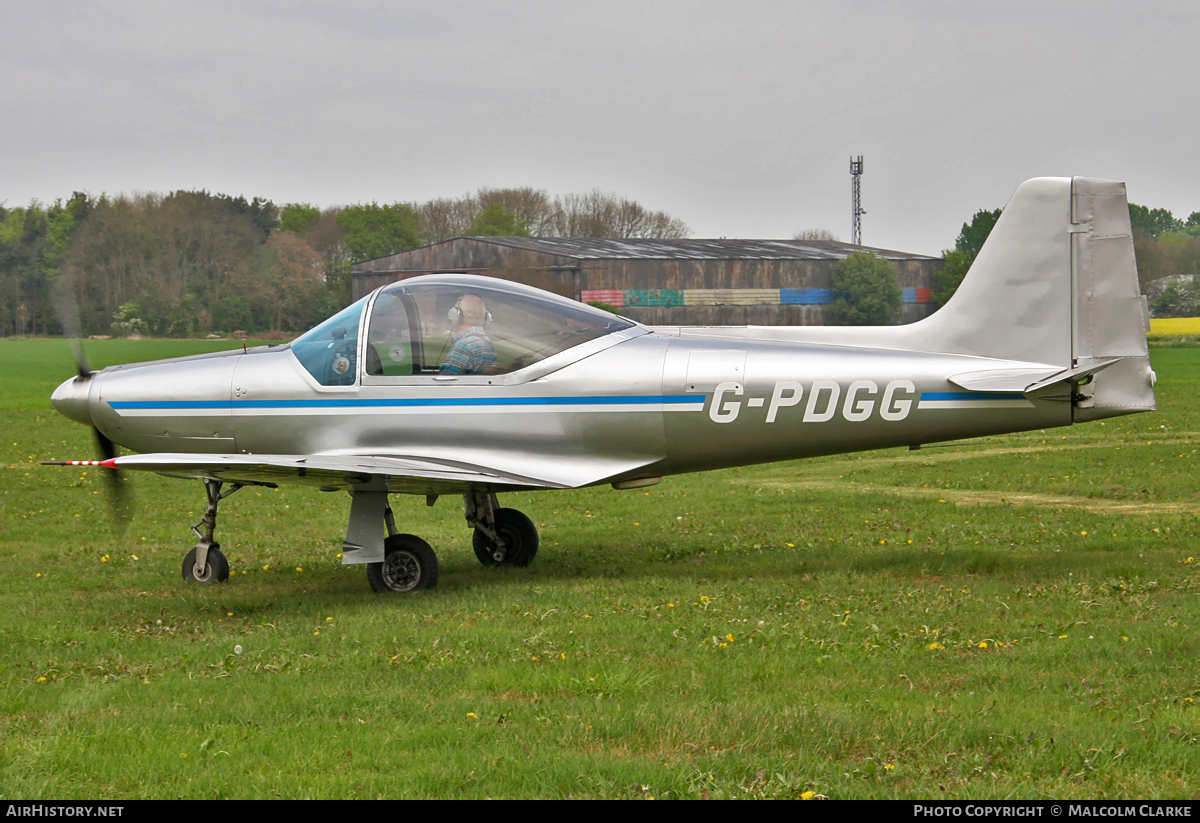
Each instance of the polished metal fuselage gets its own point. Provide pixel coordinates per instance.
(635, 404)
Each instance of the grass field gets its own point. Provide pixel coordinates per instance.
(1011, 619)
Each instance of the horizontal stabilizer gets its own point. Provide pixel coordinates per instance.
(1025, 380)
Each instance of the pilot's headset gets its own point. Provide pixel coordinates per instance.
(454, 317)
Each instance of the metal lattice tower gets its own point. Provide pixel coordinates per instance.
(857, 211)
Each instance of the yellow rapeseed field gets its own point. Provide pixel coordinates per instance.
(1164, 327)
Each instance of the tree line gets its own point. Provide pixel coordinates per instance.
(191, 263)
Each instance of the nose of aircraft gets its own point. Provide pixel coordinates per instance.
(71, 399)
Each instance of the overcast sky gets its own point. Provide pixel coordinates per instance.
(738, 118)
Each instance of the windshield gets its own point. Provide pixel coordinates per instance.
(330, 351)
(463, 324)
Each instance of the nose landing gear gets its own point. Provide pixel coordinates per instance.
(206, 563)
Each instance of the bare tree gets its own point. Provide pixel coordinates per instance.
(594, 214)
(601, 214)
(816, 234)
(446, 217)
(533, 207)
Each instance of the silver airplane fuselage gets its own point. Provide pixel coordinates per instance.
(648, 404)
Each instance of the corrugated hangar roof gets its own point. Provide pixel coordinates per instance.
(636, 248)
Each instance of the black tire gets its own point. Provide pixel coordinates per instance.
(520, 540)
(409, 565)
(216, 567)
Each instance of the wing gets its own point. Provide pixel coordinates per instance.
(404, 474)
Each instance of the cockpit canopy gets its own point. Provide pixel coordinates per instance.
(449, 324)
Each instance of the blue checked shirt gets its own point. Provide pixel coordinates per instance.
(472, 353)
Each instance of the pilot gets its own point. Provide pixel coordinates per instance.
(471, 352)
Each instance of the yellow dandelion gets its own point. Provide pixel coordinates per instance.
(809, 795)
(299, 568)
(472, 715)
(328, 619)
(39, 574)
(318, 631)
(704, 598)
(889, 766)
(983, 644)
(267, 567)
(729, 637)
(1062, 637)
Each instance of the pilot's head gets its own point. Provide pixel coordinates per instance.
(468, 311)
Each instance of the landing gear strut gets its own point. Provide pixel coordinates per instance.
(503, 537)
(206, 563)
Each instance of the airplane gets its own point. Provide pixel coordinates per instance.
(1046, 330)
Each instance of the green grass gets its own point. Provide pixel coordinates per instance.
(1016, 618)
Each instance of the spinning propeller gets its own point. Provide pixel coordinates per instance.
(75, 406)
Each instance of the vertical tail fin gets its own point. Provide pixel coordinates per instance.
(1056, 283)
(1015, 302)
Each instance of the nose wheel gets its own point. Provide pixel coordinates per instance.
(206, 563)
(214, 569)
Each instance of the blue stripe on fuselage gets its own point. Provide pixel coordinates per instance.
(357, 402)
(971, 395)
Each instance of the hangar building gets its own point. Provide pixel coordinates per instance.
(664, 282)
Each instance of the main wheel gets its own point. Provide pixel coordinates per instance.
(409, 565)
(216, 567)
(520, 540)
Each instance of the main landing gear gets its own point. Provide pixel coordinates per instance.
(502, 537)
(409, 563)
(206, 563)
